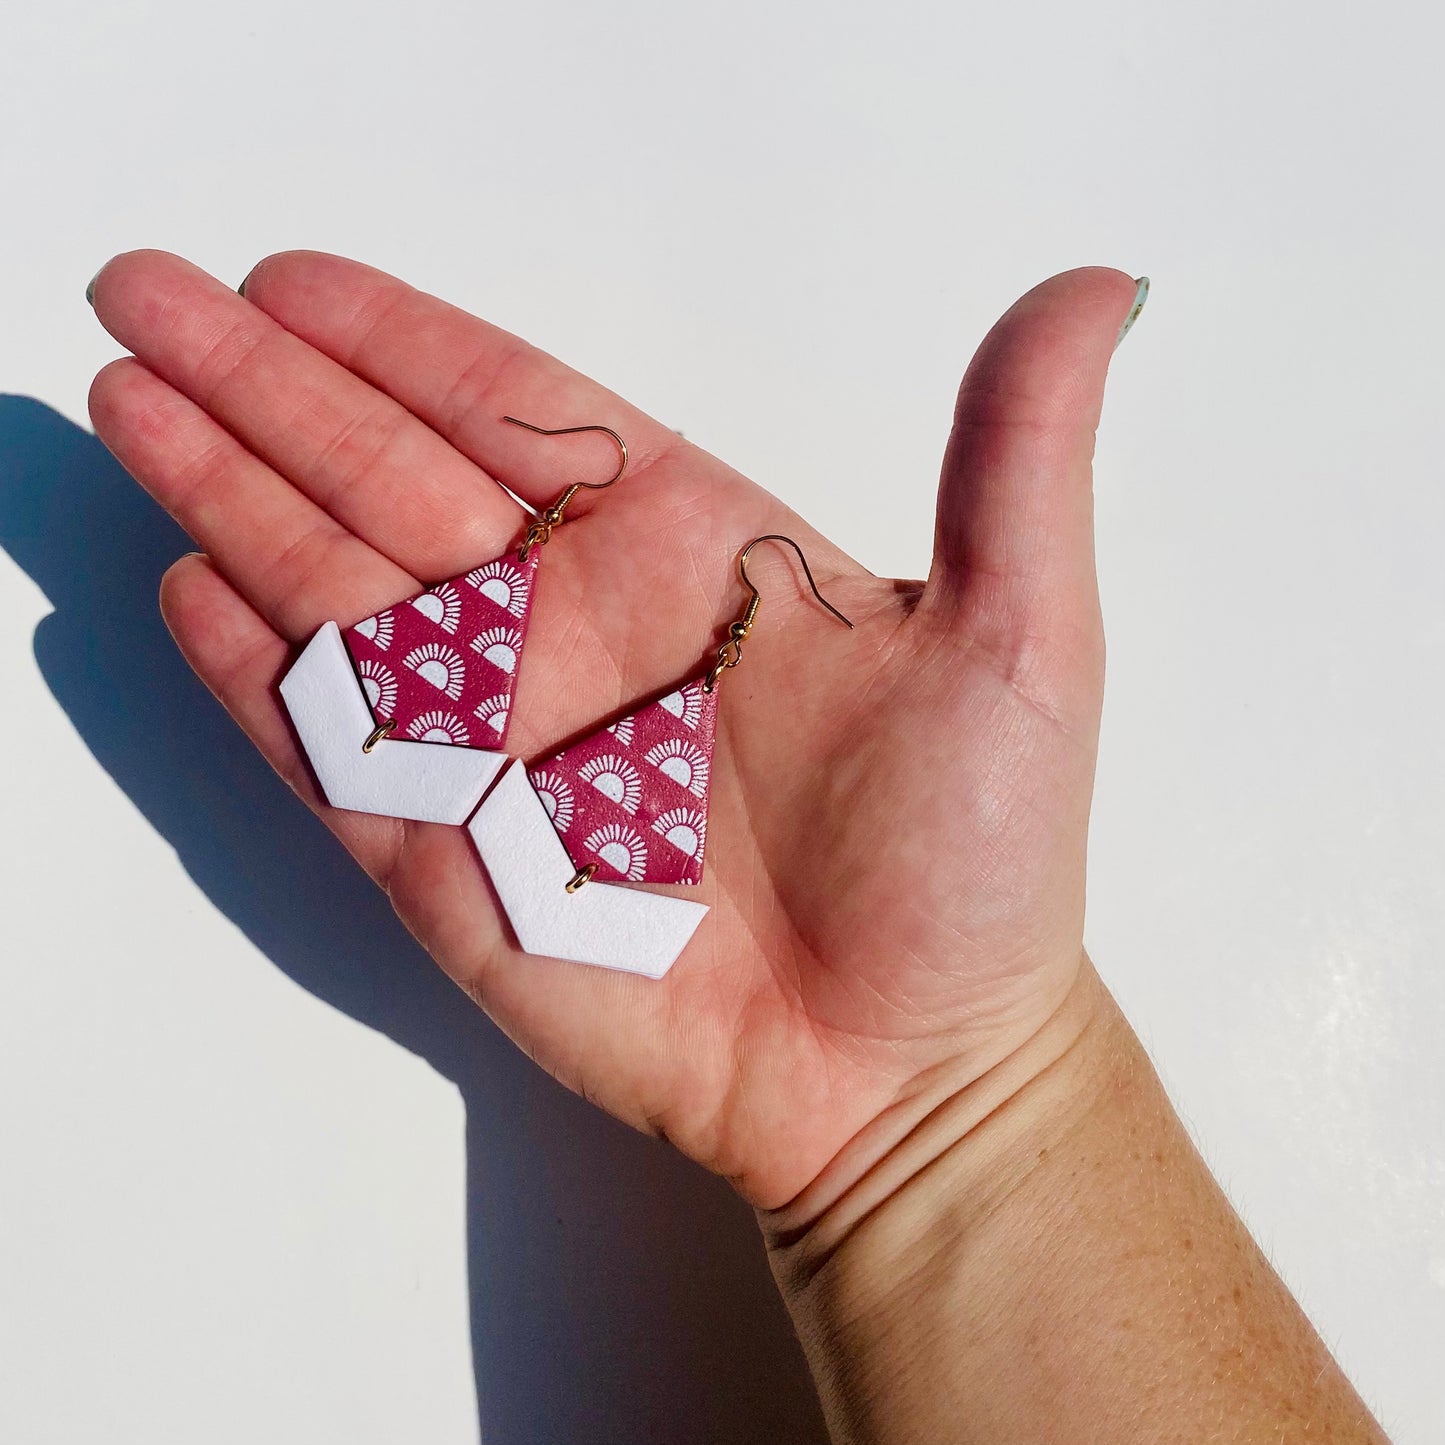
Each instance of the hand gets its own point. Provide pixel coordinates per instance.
(896, 849)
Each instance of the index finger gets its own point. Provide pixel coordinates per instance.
(460, 374)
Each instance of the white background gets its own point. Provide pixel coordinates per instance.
(262, 1175)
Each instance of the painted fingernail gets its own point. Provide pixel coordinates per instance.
(241, 289)
(90, 289)
(1141, 295)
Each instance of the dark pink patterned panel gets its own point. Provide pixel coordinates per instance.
(633, 798)
(443, 664)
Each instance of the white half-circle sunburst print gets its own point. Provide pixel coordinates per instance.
(500, 646)
(684, 828)
(378, 682)
(426, 644)
(438, 727)
(442, 605)
(685, 704)
(556, 797)
(657, 763)
(683, 761)
(440, 665)
(504, 583)
(615, 778)
(494, 711)
(622, 849)
(377, 630)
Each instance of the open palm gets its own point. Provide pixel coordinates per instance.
(898, 819)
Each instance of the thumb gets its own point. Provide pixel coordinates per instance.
(1014, 547)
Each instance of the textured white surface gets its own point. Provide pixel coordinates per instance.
(601, 923)
(430, 782)
(241, 1198)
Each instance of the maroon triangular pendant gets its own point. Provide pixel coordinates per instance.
(443, 665)
(632, 798)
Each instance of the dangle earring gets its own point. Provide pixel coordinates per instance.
(404, 713)
(627, 804)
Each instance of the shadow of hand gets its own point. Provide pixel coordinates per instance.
(568, 1279)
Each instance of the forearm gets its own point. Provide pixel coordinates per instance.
(1046, 1257)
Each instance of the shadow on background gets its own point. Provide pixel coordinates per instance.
(617, 1292)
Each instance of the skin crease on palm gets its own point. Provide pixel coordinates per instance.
(896, 849)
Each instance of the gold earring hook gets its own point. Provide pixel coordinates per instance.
(541, 530)
(731, 652)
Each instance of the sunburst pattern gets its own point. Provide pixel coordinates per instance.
(683, 761)
(495, 712)
(684, 828)
(425, 645)
(504, 583)
(442, 605)
(685, 704)
(556, 795)
(438, 727)
(622, 849)
(377, 630)
(440, 665)
(500, 646)
(647, 775)
(378, 682)
(615, 778)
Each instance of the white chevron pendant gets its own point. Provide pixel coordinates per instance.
(606, 924)
(431, 782)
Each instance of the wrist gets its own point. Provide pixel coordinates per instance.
(958, 1145)
(1044, 1255)
(881, 1262)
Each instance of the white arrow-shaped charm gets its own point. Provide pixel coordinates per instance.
(606, 924)
(431, 782)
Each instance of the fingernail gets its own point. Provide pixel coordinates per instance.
(90, 289)
(1141, 295)
(241, 289)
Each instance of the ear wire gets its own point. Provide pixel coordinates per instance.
(541, 530)
(731, 652)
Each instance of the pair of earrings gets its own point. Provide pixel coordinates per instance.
(405, 714)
